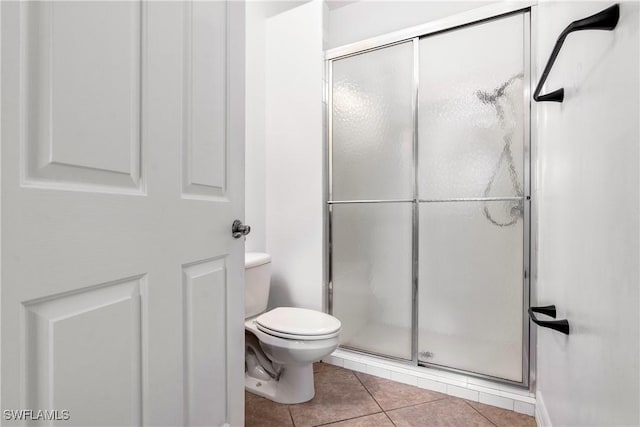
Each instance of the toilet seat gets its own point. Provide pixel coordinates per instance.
(284, 340)
(296, 337)
(298, 324)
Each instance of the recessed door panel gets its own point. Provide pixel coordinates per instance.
(205, 99)
(81, 94)
(205, 310)
(76, 341)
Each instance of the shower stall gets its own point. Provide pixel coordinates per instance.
(429, 198)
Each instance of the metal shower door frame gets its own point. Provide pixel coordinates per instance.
(413, 35)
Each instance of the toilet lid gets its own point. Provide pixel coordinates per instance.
(298, 321)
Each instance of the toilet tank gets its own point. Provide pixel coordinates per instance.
(257, 280)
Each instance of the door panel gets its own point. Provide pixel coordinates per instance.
(205, 99)
(73, 340)
(81, 94)
(204, 290)
(122, 298)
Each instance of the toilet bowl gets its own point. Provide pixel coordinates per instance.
(282, 343)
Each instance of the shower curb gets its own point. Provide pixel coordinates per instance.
(466, 387)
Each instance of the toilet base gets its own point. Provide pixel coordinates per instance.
(294, 386)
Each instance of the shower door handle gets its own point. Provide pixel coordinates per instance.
(549, 310)
(238, 229)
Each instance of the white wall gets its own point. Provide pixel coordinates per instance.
(294, 155)
(257, 13)
(255, 116)
(589, 220)
(364, 19)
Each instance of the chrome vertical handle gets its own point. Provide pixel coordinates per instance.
(238, 229)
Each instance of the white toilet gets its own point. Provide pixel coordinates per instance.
(283, 343)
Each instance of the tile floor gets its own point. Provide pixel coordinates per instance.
(352, 399)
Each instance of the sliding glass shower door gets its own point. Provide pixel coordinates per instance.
(429, 198)
(471, 186)
(371, 200)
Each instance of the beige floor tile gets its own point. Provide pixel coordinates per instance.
(376, 420)
(341, 400)
(261, 412)
(324, 367)
(445, 413)
(339, 396)
(392, 395)
(503, 417)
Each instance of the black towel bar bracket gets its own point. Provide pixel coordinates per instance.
(604, 20)
(549, 310)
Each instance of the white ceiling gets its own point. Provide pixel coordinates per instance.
(335, 4)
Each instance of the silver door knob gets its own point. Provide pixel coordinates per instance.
(238, 229)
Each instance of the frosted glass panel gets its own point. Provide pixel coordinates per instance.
(372, 125)
(471, 287)
(471, 101)
(371, 275)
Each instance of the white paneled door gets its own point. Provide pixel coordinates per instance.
(122, 172)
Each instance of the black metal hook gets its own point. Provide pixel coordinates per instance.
(549, 310)
(604, 20)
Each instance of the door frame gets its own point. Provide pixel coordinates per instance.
(412, 35)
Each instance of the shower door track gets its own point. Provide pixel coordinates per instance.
(413, 34)
(474, 16)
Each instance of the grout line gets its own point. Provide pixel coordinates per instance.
(444, 396)
(389, 418)
(367, 390)
(420, 403)
(347, 419)
(483, 415)
(291, 416)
